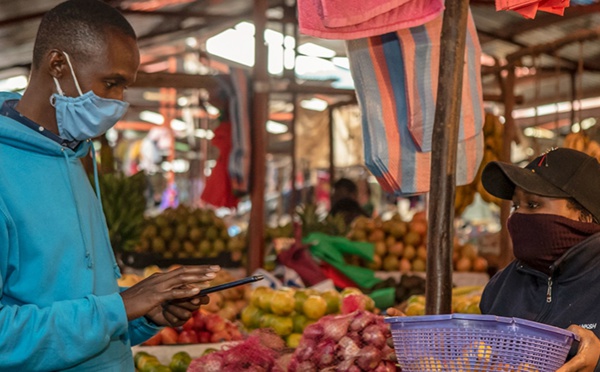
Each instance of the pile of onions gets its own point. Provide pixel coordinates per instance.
(352, 342)
(262, 351)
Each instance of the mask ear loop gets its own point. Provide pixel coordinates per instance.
(73, 74)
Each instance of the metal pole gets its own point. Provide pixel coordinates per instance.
(438, 293)
(258, 135)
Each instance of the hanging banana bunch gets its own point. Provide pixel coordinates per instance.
(493, 132)
(581, 142)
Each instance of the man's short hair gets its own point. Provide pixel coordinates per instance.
(78, 27)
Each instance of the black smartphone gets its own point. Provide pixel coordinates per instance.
(235, 283)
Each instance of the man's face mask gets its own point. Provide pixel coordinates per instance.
(86, 116)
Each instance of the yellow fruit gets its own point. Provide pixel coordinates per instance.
(415, 309)
(314, 307)
(282, 325)
(350, 290)
(293, 340)
(418, 265)
(299, 297)
(251, 316)
(282, 302)
(479, 350)
(257, 293)
(299, 321)
(409, 252)
(333, 299)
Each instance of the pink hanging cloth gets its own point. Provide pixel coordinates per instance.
(354, 19)
(529, 8)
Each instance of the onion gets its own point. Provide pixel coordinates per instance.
(361, 321)
(251, 368)
(385, 367)
(388, 354)
(313, 331)
(306, 366)
(368, 358)
(269, 339)
(345, 365)
(283, 363)
(336, 327)
(373, 336)
(348, 348)
(324, 354)
(305, 350)
(355, 337)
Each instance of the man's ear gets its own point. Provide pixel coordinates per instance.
(55, 63)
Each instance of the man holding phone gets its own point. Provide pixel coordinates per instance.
(60, 306)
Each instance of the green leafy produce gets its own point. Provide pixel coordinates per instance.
(124, 204)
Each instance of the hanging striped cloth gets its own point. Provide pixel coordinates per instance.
(396, 78)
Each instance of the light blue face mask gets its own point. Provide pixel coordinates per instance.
(86, 116)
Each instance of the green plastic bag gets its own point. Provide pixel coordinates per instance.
(331, 249)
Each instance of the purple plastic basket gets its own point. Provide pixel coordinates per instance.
(466, 342)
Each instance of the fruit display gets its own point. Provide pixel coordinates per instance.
(581, 142)
(402, 245)
(262, 351)
(228, 303)
(189, 233)
(202, 327)
(348, 342)
(145, 362)
(465, 300)
(288, 312)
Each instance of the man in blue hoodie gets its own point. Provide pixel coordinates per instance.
(60, 306)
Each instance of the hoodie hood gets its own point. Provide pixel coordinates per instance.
(15, 134)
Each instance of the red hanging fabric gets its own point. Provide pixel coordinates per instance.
(529, 8)
(218, 191)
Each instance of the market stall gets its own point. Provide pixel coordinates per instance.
(235, 163)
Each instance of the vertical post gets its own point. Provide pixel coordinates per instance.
(290, 14)
(258, 136)
(331, 152)
(508, 136)
(294, 191)
(573, 98)
(438, 292)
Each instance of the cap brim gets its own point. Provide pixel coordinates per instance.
(500, 180)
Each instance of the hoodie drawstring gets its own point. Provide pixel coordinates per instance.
(116, 269)
(88, 256)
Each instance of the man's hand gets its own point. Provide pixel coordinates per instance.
(172, 291)
(175, 313)
(588, 353)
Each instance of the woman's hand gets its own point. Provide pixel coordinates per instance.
(392, 311)
(588, 353)
(170, 293)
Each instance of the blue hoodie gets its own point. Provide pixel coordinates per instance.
(60, 307)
